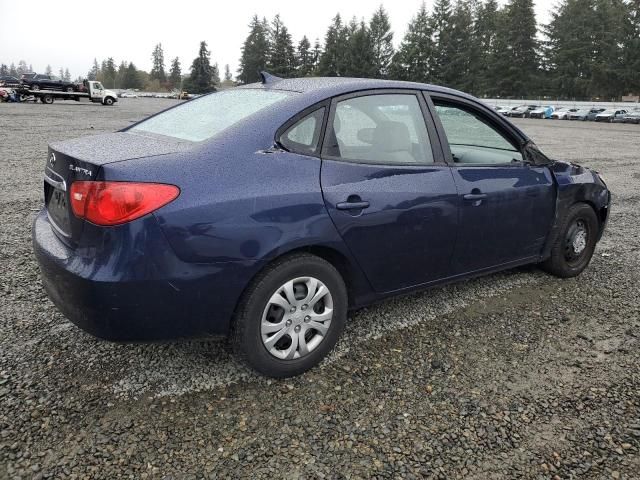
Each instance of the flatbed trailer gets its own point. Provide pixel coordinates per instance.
(96, 93)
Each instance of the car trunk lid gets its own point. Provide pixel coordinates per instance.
(81, 160)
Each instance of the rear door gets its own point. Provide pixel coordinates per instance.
(506, 204)
(387, 189)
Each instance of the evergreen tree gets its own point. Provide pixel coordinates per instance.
(22, 67)
(227, 73)
(215, 75)
(13, 71)
(441, 26)
(121, 74)
(517, 46)
(304, 58)
(609, 36)
(157, 70)
(412, 61)
(48, 70)
(282, 60)
(457, 71)
(255, 52)
(360, 52)
(4, 70)
(631, 53)
(202, 78)
(108, 73)
(132, 78)
(175, 74)
(317, 51)
(67, 75)
(95, 70)
(569, 48)
(485, 27)
(382, 42)
(61, 74)
(333, 59)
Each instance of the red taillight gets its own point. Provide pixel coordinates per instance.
(113, 203)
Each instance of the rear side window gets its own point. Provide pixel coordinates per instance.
(472, 139)
(204, 117)
(304, 135)
(379, 128)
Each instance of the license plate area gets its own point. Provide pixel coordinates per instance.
(58, 208)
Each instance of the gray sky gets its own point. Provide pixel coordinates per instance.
(72, 34)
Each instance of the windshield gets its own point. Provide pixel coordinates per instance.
(206, 116)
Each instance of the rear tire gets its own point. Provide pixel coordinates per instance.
(48, 99)
(69, 89)
(575, 242)
(291, 316)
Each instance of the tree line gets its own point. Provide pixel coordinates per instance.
(589, 49)
(203, 76)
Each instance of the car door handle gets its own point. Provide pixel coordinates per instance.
(472, 197)
(352, 205)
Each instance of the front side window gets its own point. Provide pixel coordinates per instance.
(304, 135)
(204, 117)
(472, 139)
(387, 129)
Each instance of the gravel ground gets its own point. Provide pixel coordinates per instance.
(515, 375)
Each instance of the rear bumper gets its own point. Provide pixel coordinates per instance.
(133, 288)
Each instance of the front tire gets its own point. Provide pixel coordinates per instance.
(108, 101)
(291, 316)
(575, 242)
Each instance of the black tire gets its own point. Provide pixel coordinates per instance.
(34, 87)
(565, 261)
(48, 99)
(246, 333)
(108, 101)
(69, 89)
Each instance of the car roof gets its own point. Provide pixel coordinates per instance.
(333, 86)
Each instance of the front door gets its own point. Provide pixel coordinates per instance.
(506, 204)
(388, 192)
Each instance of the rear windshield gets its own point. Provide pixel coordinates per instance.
(204, 117)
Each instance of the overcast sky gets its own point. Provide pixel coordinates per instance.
(71, 34)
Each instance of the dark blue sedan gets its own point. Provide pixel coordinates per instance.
(267, 212)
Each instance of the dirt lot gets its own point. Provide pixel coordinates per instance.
(516, 375)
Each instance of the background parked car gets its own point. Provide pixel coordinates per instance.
(562, 113)
(585, 114)
(610, 115)
(48, 82)
(523, 111)
(632, 117)
(9, 81)
(542, 112)
(504, 110)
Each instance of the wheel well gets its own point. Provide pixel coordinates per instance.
(601, 214)
(334, 257)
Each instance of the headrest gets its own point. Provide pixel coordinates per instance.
(392, 137)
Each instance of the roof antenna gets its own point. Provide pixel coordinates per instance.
(266, 77)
